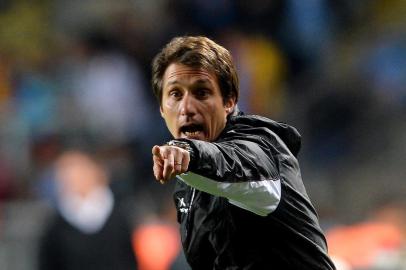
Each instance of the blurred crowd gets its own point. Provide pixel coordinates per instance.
(74, 76)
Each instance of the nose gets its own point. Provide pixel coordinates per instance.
(188, 105)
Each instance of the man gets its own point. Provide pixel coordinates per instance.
(239, 195)
(89, 230)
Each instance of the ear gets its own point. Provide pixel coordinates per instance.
(161, 110)
(229, 105)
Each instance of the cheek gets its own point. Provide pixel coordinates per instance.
(217, 119)
(169, 116)
(169, 103)
(169, 108)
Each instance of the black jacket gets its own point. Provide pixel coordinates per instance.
(64, 247)
(243, 205)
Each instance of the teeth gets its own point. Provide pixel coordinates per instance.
(192, 133)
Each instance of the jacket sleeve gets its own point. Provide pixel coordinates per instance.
(241, 168)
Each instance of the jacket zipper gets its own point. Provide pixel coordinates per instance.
(189, 211)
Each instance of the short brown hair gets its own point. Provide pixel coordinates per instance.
(197, 52)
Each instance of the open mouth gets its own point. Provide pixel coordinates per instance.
(192, 130)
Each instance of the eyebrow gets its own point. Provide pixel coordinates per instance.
(197, 82)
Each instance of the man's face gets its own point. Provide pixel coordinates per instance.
(192, 104)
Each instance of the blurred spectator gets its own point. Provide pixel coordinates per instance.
(306, 31)
(377, 243)
(156, 239)
(263, 73)
(388, 72)
(89, 230)
(157, 245)
(109, 91)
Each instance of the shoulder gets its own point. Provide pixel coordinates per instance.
(250, 126)
(256, 126)
(249, 119)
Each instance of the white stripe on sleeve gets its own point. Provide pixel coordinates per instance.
(259, 197)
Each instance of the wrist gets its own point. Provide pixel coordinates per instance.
(184, 145)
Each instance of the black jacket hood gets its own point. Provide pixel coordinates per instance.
(288, 134)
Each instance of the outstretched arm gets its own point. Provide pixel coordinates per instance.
(244, 171)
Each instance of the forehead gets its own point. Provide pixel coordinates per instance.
(179, 73)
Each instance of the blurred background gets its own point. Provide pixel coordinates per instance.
(75, 75)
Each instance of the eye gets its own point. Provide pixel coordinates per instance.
(175, 93)
(202, 93)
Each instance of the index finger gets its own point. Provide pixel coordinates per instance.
(156, 151)
(158, 162)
